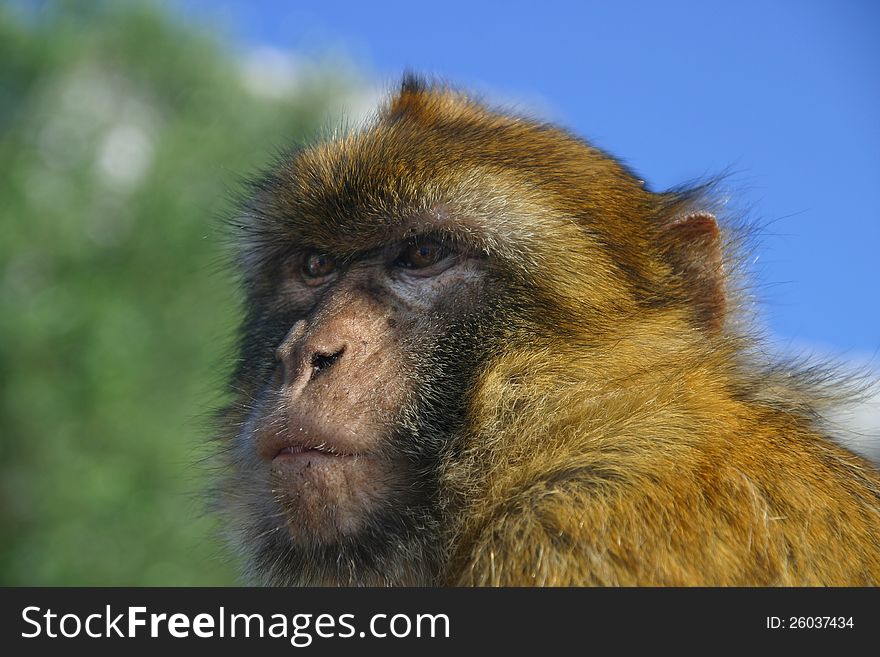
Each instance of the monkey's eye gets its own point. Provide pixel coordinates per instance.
(422, 254)
(317, 266)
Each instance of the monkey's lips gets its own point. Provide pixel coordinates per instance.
(311, 460)
(298, 450)
(286, 446)
(296, 464)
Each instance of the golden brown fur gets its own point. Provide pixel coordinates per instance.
(622, 431)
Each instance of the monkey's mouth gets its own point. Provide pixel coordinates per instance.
(285, 446)
(296, 450)
(296, 465)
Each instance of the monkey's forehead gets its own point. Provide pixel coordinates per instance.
(437, 162)
(434, 152)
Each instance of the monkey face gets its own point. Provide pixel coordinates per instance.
(347, 415)
(395, 281)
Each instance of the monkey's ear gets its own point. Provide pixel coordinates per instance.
(692, 246)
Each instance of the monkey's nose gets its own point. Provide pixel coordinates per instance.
(300, 365)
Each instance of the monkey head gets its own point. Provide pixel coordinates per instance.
(387, 274)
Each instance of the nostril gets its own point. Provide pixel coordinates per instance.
(321, 361)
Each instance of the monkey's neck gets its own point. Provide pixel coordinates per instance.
(621, 411)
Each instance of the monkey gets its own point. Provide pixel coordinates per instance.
(477, 350)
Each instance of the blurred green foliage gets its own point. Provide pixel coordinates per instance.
(121, 132)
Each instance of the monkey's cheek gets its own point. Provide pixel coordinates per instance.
(326, 498)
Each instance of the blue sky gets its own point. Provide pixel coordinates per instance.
(785, 95)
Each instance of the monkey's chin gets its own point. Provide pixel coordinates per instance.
(326, 497)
